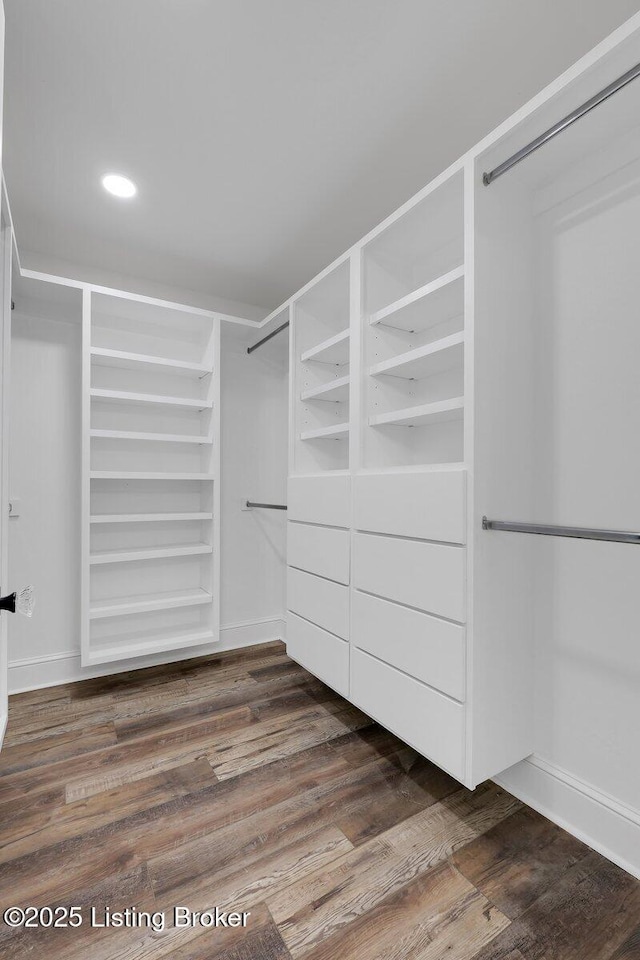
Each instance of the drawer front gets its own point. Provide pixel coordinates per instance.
(321, 550)
(320, 500)
(429, 576)
(425, 505)
(319, 652)
(427, 720)
(321, 601)
(428, 649)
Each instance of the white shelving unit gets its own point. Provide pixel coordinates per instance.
(150, 541)
(321, 374)
(414, 336)
(441, 412)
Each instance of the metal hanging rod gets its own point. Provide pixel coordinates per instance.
(266, 506)
(254, 346)
(556, 530)
(561, 125)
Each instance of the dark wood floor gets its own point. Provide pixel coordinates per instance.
(241, 782)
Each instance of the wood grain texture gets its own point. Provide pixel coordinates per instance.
(242, 782)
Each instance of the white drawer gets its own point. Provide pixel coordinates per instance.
(429, 576)
(321, 601)
(322, 654)
(321, 550)
(426, 505)
(426, 648)
(427, 720)
(320, 500)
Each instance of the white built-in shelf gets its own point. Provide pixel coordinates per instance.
(124, 396)
(136, 646)
(335, 390)
(334, 350)
(148, 517)
(436, 357)
(439, 300)
(422, 415)
(135, 435)
(122, 358)
(334, 432)
(145, 603)
(150, 553)
(118, 475)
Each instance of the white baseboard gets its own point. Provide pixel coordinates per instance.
(599, 820)
(64, 667)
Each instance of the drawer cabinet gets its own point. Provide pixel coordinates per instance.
(322, 653)
(321, 601)
(430, 506)
(429, 576)
(429, 649)
(320, 550)
(324, 500)
(426, 719)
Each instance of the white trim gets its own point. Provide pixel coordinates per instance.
(7, 209)
(50, 670)
(139, 297)
(596, 818)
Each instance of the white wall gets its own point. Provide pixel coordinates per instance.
(45, 477)
(585, 772)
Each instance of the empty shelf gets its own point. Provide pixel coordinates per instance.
(145, 603)
(135, 646)
(150, 553)
(335, 432)
(423, 415)
(117, 475)
(336, 390)
(135, 435)
(424, 361)
(122, 358)
(125, 396)
(334, 350)
(431, 304)
(147, 517)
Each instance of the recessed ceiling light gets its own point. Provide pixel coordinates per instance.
(119, 186)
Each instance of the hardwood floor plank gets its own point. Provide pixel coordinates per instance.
(105, 769)
(39, 829)
(515, 862)
(263, 867)
(270, 740)
(129, 889)
(57, 717)
(436, 915)
(60, 746)
(405, 794)
(187, 866)
(370, 743)
(97, 854)
(318, 906)
(587, 914)
(630, 949)
(160, 717)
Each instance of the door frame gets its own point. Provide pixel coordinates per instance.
(6, 261)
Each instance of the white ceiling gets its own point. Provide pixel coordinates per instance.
(266, 136)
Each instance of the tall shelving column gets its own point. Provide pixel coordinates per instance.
(408, 601)
(318, 542)
(150, 478)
